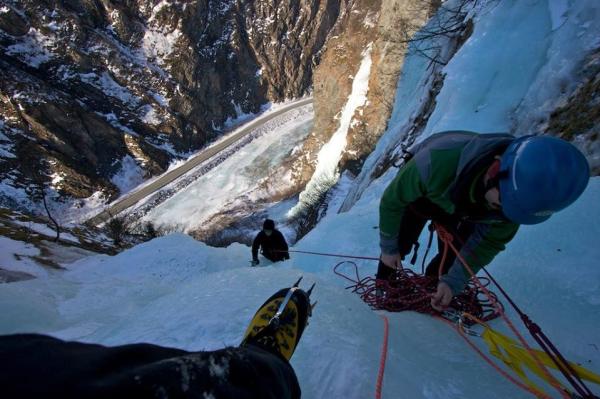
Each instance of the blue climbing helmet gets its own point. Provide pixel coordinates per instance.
(540, 175)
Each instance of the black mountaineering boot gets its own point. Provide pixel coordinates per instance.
(278, 324)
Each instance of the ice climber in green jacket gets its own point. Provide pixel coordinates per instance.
(480, 187)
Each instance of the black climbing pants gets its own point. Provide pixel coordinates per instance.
(39, 366)
(416, 215)
(275, 256)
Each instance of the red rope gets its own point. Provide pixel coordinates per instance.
(407, 290)
(383, 358)
(333, 255)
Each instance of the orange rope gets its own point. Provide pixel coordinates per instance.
(446, 238)
(379, 385)
(518, 383)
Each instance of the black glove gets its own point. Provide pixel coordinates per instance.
(254, 262)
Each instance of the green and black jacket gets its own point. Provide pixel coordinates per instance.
(447, 169)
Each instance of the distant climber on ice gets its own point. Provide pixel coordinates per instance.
(271, 242)
(480, 188)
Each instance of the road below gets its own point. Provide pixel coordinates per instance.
(170, 176)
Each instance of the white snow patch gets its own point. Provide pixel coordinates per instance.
(114, 121)
(370, 20)
(111, 88)
(34, 48)
(57, 178)
(82, 209)
(162, 100)
(13, 195)
(158, 44)
(129, 176)
(66, 72)
(176, 163)
(6, 151)
(16, 256)
(240, 117)
(53, 26)
(157, 8)
(162, 142)
(150, 116)
(45, 230)
(6, 146)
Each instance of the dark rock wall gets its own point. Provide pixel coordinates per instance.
(85, 83)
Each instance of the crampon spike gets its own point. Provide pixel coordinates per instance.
(298, 282)
(310, 289)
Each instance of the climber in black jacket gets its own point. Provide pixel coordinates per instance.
(272, 243)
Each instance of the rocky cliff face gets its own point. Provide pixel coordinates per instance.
(383, 26)
(379, 28)
(85, 85)
(578, 119)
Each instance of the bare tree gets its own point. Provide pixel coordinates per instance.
(117, 229)
(38, 170)
(150, 231)
(54, 222)
(39, 174)
(447, 21)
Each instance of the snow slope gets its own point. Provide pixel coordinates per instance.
(175, 291)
